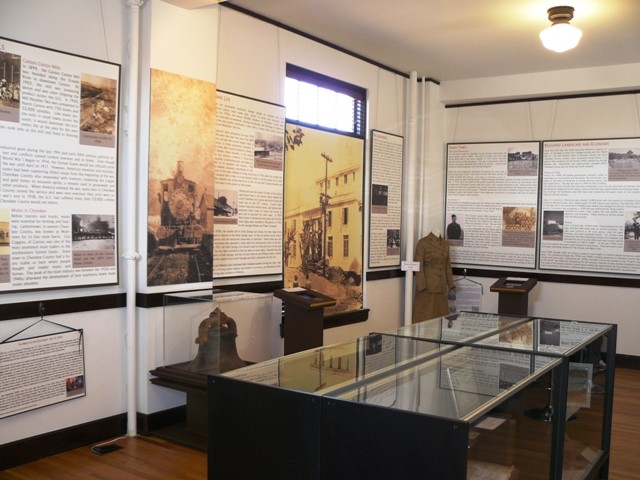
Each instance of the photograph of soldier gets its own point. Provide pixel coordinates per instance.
(454, 232)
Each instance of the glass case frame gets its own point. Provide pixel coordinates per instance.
(337, 429)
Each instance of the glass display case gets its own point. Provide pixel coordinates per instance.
(206, 333)
(212, 332)
(411, 404)
(460, 327)
(586, 388)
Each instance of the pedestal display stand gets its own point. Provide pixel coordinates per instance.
(303, 318)
(513, 294)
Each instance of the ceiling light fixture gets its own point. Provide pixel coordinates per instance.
(560, 36)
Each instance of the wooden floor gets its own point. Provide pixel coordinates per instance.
(153, 458)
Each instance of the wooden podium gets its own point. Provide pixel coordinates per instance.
(303, 318)
(513, 294)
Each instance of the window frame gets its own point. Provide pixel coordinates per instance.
(358, 94)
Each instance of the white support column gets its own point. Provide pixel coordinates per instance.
(130, 183)
(411, 176)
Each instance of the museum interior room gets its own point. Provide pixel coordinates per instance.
(319, 240)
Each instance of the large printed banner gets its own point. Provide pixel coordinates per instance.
(591, 206)
(491, 204)
(386, 199)
(58, 169)
(323, 214)
(182, 128)
(247, 198)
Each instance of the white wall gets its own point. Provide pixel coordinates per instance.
(104, 356)
(95, 29)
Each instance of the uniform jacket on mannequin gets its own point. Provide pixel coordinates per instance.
(434, 279)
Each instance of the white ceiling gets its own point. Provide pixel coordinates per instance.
(459, 39)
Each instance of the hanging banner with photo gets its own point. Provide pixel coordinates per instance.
(59, 169)
(386, 199)
(492, 203)
(323, 214)
(246, 204)
(182, 128)
(41, 365)
(591, 206)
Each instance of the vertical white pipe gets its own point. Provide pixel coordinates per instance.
(130, 182)
(410, 198)
(421, 167)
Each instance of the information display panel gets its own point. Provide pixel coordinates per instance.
(492, 202)
(590, 211)
(58, 164)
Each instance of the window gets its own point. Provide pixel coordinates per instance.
(337, 181)
(330, 246)
(345, 245)
(345, 216)
(345, 179)
(329, 218)
(323, 101)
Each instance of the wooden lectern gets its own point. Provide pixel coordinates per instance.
(303, 318)
(513, 294)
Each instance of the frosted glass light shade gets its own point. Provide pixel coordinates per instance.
(560, 37)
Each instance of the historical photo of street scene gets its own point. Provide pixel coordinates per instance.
(225, 206)
(519, 227)
(10, 68)
(553, 225)
(393, 241)
(379, 198)
(93, 240)
(522, 164)
(98, 110)
(632, 231)
(268, 151)
(5, 245)
(323, 214)
(181, 200)
(624, 164)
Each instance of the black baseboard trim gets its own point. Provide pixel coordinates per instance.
(627, 361)
(33, 448)
(147, 423)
